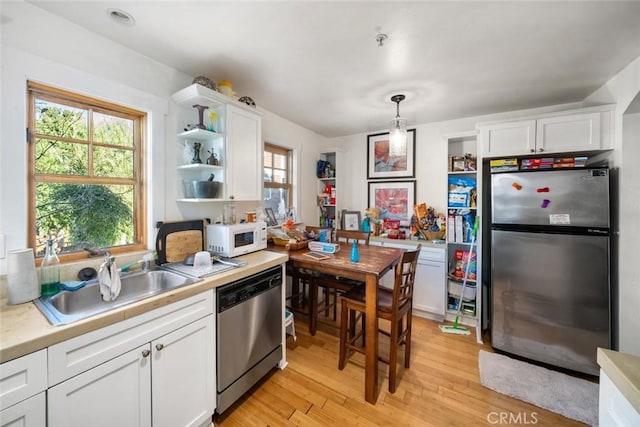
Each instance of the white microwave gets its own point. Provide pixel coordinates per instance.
(236, 239)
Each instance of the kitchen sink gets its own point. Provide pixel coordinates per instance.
(69, 306)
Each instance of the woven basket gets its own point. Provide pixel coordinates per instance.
(434, 235)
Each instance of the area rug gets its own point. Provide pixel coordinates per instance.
(563, 394)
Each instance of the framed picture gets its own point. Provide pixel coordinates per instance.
(382, 164)
(350, 220)
(393, 199)
(271, 217)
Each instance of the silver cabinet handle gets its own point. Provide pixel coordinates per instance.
(145, 353)
(159, 347)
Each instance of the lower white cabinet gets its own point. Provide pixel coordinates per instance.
(614, 408)
(28, 413)
(115, 393)
(23, 382)
(176, 370)
(182, 367)
(157, 369)
(429, 289)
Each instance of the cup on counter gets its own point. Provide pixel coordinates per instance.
(22, 279)
(202, 261)
(251, 216)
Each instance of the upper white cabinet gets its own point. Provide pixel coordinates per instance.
(235, 136)
(587, 129)
(507, 139)
(244, 154)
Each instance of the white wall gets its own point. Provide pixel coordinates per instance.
(621, 90)
(40, 46)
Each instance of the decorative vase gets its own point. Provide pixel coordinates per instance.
(355, 255)
(200, 109)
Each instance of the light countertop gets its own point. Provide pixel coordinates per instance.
(624, 371)
(425, 243)
(24, 329)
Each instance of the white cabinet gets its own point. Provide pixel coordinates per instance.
(588, 129)
(244, 154)
(153, 369)
(22, 385)
(115, 393)
(237, 143)
(28, 413)
(183, 365)
(615, 410)
(508, 139)
(429, 287)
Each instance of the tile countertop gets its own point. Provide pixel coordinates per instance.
(624, 371)
(23, 329)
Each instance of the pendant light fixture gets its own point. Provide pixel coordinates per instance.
(398, 131)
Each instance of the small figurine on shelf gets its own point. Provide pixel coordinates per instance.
(212, 159)
(196, 153)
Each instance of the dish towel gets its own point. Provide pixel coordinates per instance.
(109, 279)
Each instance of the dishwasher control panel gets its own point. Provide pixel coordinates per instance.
(236, 292)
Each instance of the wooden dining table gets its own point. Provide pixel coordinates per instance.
(374, 262)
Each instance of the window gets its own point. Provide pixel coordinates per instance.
(85, 173)
(277, 179)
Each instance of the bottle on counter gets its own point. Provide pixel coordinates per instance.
(50, 271)
(355, 255)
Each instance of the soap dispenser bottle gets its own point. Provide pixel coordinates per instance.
(355, 255)
(50, 271)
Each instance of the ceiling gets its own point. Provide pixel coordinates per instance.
(317, 63)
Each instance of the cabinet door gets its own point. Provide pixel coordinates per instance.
(576, 132)
(429, 289)
(183, 375)
(508, 139)
(244, 154)
(116, 393)
(31, 412)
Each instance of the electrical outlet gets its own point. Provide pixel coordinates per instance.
(3, 249)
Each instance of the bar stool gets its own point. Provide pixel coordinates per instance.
(394, 305)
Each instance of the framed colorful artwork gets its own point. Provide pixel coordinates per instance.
(383, 164)
(393, 199)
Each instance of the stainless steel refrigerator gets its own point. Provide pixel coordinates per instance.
(550, 266)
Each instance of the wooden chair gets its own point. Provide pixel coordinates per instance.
(332, 286)
(304, 297)
(395, 305)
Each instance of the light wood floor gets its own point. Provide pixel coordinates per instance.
(441, 388)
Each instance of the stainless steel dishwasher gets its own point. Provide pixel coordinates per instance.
(249, 333)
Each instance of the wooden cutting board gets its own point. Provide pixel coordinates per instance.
(176, 240)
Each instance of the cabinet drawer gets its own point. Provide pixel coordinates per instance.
(432, 254)
(22, 378)
(79, 354)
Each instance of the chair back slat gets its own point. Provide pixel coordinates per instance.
(405, 277)
(350, 235)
